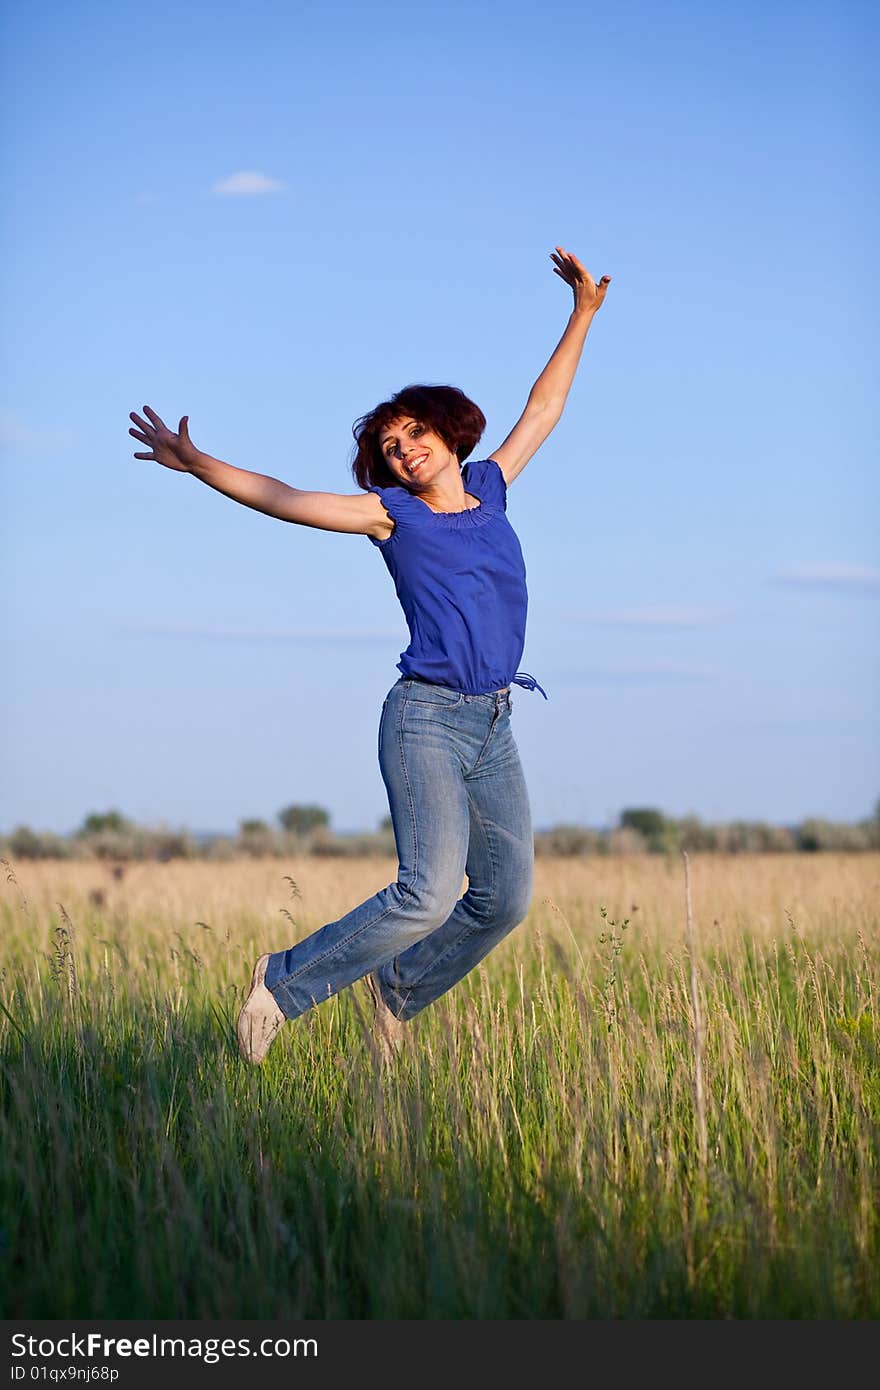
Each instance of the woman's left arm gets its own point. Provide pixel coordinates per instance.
(548, 395)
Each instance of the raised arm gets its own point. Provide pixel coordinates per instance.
(548, 395)
(359, 513)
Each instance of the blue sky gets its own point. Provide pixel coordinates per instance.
(269, 218)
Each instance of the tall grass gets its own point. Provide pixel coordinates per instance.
(535, 1151)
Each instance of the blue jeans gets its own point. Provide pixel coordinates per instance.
(459, 805)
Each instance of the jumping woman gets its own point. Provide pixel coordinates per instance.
(456, 791)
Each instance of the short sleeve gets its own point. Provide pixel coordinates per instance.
(401, 506)
(484, 477)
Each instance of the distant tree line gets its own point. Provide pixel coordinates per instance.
(305, 829)
(644, 829)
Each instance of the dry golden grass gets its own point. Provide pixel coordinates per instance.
(836, 895)
(540, 1147)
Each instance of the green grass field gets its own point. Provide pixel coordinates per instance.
(537, 1150)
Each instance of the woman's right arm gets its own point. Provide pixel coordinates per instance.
(361, 513)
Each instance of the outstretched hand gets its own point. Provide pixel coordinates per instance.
(587, 294)
(175, 451)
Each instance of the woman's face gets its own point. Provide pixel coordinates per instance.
(414, 453)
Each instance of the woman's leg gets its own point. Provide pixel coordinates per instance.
(421, 764)
(500, 870)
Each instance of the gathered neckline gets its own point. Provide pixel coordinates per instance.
(477, 508)
(472, 518)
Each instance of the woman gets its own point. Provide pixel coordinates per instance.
(449, 762)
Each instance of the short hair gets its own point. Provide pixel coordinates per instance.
(444, 409)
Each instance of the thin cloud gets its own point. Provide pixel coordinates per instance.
(831, 576)
(656, 616)
(225, 634)
(247, 184)
(664, 672)
(16, 435)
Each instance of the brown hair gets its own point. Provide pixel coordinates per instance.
(444, 409)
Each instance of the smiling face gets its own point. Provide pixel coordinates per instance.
(414, 453)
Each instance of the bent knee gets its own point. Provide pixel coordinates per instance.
(505, 908)
(426, 906)
(513, 908)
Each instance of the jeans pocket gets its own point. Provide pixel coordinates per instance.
(433, 695)
(422, 717)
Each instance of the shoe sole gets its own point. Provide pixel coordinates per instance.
(244, 1027)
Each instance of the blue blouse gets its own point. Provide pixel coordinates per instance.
(461, 581)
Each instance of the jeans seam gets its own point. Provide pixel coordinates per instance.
(319, 960)
(409, 794)
(479, 912)
(382, 722)
(354, 935)
(441, 960)
(492, 727)
(459, 942)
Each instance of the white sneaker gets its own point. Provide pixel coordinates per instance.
(260, 1018)
(388, 1028)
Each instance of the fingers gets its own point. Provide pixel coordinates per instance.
(570, 268)
(577, 264)
(163, 443)
(570, 260)
(145, 432)
(563, 270)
